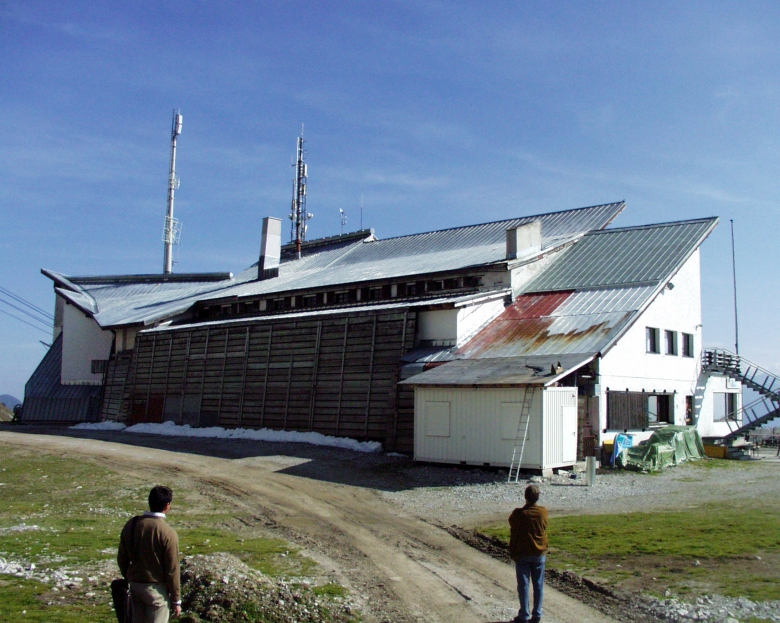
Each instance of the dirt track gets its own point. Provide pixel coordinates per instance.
(405, 570)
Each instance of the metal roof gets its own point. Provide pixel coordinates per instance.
(503, 371)
(627, 256)
(418, 254)
(144, 299)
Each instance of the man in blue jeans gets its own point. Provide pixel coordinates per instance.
(527, 547)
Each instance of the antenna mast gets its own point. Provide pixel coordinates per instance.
(172, 229)
(298, 213)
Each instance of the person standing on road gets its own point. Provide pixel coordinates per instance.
(149, 559)
(527, 547)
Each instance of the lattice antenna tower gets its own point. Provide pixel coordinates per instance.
(172, 228)
(298, 213)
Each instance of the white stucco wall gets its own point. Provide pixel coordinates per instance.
(628, 365)
(709, 389)
(82, 341)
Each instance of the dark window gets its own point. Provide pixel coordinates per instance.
(689, 410)
(660, 409)
(341, 297)
(435, 286)
(653, 339)
(99, 366)
(472, 282)
(450, 284)
(411, 289)
(280, 304)
(670, 337)
(309, 301)
(375, 294)
(687, 345)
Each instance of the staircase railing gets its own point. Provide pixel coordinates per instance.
(767, 384)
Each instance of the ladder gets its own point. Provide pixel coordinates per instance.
(521, 436)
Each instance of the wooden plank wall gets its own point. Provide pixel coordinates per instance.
(336, 375)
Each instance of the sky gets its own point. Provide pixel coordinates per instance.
(437, 114)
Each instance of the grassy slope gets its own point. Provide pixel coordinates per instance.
(729, 548)
(6, 414)
(79, 509)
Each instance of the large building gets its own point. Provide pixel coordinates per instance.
(550, 333)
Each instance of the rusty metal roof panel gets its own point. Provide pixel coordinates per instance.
(627, 256)
(557, 323)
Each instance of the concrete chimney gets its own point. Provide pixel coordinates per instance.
(524, 240)
(270, 248)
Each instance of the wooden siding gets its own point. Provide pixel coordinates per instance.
(336, 375)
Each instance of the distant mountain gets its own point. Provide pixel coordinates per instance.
(9, 401)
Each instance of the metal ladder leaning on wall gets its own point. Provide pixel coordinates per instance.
(521, 436)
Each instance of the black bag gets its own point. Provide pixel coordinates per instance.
(120, 589)
(123, 603)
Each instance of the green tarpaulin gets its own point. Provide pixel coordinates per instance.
(668, 446)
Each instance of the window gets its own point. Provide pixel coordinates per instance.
(725, 407)
(309, 301)
(99, 366)
(659, 409)
(411, 289)
(670, 337)
(688, 410)
(638, 410)
(653, 339)
(687, 345)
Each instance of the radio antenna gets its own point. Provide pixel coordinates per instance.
(298, 214)
(172, 229)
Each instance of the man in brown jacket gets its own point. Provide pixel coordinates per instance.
(527, 547)
(149, 559)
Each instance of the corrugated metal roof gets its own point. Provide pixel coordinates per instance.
(123, 302)
(632, 255)
(554, 324)
(499, 371)
(418, 254)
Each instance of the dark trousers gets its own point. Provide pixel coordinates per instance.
(530, 570)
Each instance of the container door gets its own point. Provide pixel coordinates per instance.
(569, 434)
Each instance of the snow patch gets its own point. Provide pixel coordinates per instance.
(99, 426)
(264, 434)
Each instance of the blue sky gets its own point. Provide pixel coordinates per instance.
(438, 113)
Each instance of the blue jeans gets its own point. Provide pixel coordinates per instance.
(530, 569)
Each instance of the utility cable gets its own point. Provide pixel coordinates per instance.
(24, 321)
(26, 313)
(19, 299)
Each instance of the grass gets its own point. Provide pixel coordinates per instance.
(733, 550)
(66, 515)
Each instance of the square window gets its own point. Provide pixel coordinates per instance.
(671, 342)
(653, 339)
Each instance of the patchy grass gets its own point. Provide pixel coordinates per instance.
(731, 550)
(65, 515)
(330, 590)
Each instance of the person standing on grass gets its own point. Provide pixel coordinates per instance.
(527, 547)
(149, 559)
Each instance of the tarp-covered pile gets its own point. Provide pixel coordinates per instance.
(668, 446)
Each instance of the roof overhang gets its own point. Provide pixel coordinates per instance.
(501, 372)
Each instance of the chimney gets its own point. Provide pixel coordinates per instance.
(524, 240)
(270, 248)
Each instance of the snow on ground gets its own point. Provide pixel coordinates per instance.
(264, 434)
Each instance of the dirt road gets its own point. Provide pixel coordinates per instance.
(405, 569)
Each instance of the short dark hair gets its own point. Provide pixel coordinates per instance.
(532, 494)
(159, 498)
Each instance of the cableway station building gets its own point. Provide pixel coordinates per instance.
(556, 331)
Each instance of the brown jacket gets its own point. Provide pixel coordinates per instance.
(151, 555)
(528, 531)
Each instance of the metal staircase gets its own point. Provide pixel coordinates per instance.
(766, 384)
(521, 436)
